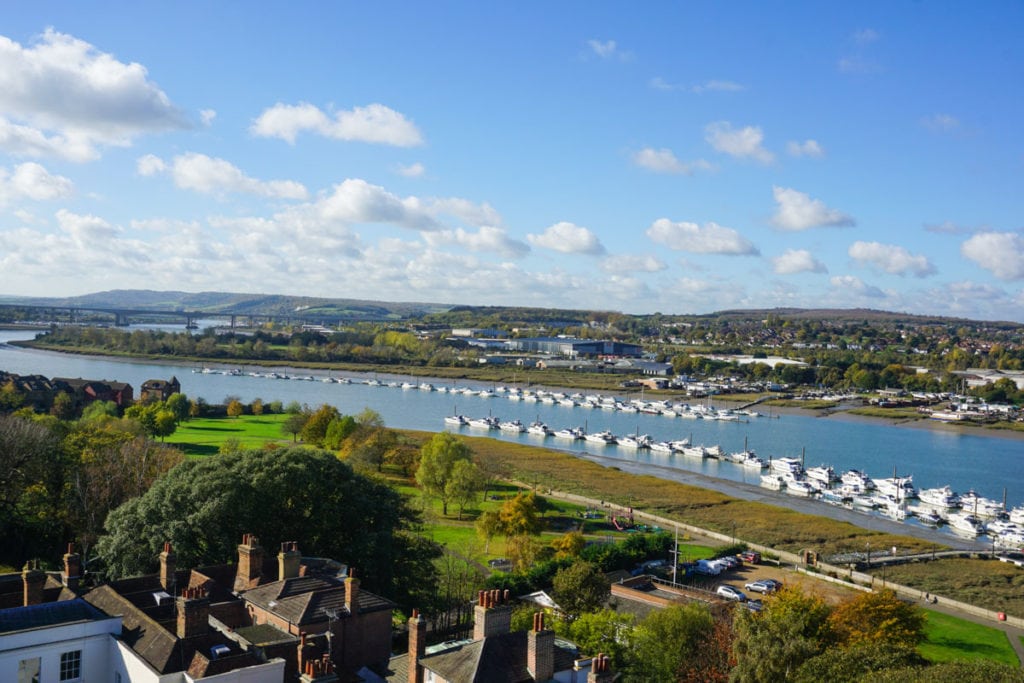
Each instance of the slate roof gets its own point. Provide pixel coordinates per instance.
(48, 614)
(307, 599)
(12, 590)
(495, 659)
(160, 647)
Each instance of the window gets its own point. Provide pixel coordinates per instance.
(71, 665)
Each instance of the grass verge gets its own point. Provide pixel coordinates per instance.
(949, 638)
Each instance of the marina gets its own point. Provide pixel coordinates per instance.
(854, 450)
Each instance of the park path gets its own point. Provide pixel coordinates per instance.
(1013, 633)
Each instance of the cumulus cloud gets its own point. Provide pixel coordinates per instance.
(854, 285)
(807, 148)
(31, 181)
(1000, 253)
(210, 175)
(462, 209)
(890, 258)
(608, 49)
(743, 143)
(632, 263)
(709, 238)
(207, 116)
(415, 170)
(940, 123)
(568, 238)
(797, 211)
(794, 261)
(62, 97)
(374, 123)
(486, 239)
(665, 161)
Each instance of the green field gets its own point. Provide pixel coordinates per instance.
(950, 638)
(205, 436)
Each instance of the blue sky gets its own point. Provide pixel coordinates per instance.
(640, 157)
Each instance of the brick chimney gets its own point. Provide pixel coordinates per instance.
(352, 591)
(318, 671)
(193, 612)
(540, 650)
(600, 670)
(167, 567)
(492, 614)
(250, 563)
(72, 568)
(33, 578)
(417, 646)
(288, 560)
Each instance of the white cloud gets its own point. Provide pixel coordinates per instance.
(63, 97)
(567, 238)
(940, 123)
(1000, 253)
(149, 165)
(207, 116)
(865, 36)
(608, 49)
(794, 261)
(849, 284)
(890, 258)
(463, 209)
(797, 211)
(209, 175)
(85, 229)
(659, 83)
(857, 64)
(486, 239)
(744, 143)
(949, 228)
(717, 86)
(415, 170)
(630, 263)
(665, 161)
(807, 148)
(357, 201)
(31, 181)
(710, 238)
(374, 123)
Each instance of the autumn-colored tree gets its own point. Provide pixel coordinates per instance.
(568, 545)
(256, 407)
(712, 660)
(518, 515)
(877, 617)
(488, 525)
(314, 431)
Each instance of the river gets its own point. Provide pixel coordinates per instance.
(989, 464)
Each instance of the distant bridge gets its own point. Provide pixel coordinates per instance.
(123, 316)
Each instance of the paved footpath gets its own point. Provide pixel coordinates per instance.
(873, 522)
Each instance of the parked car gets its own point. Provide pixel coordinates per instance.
(753, 605)
(763, 586)
(731, 593)
(751, 557)
(708, 567)
(729, 561)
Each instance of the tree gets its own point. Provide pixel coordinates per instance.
(293, 424)
(665, 640)
(950, 672)
(339, 430)
(518, 515)
(99, 411)
(256, 407)
(465, 481)
(488, 525)
(437, 463)
(204, 506)
(878, 617)
(568, 545)
(852, 663)
(164, 424)
(315, 429)
(63, 407)
(179, 405)
(772, 644)
(579, 588)
(605, 631)
(235, 408)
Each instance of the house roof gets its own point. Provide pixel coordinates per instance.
(495, 659)
(48, 614)
(308, 599)
(12, 590)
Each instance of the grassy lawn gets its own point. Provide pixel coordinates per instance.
(205, 436)
(949, 638)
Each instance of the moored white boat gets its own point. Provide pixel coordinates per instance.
(786, 466)
(799, 487)
(943, 497)
(773, 481)
(900, 488)
(513, 426)
(966, 523)
(538, 428)
(822, 475)
(604, 437)
(571, 433)
(857, 477)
